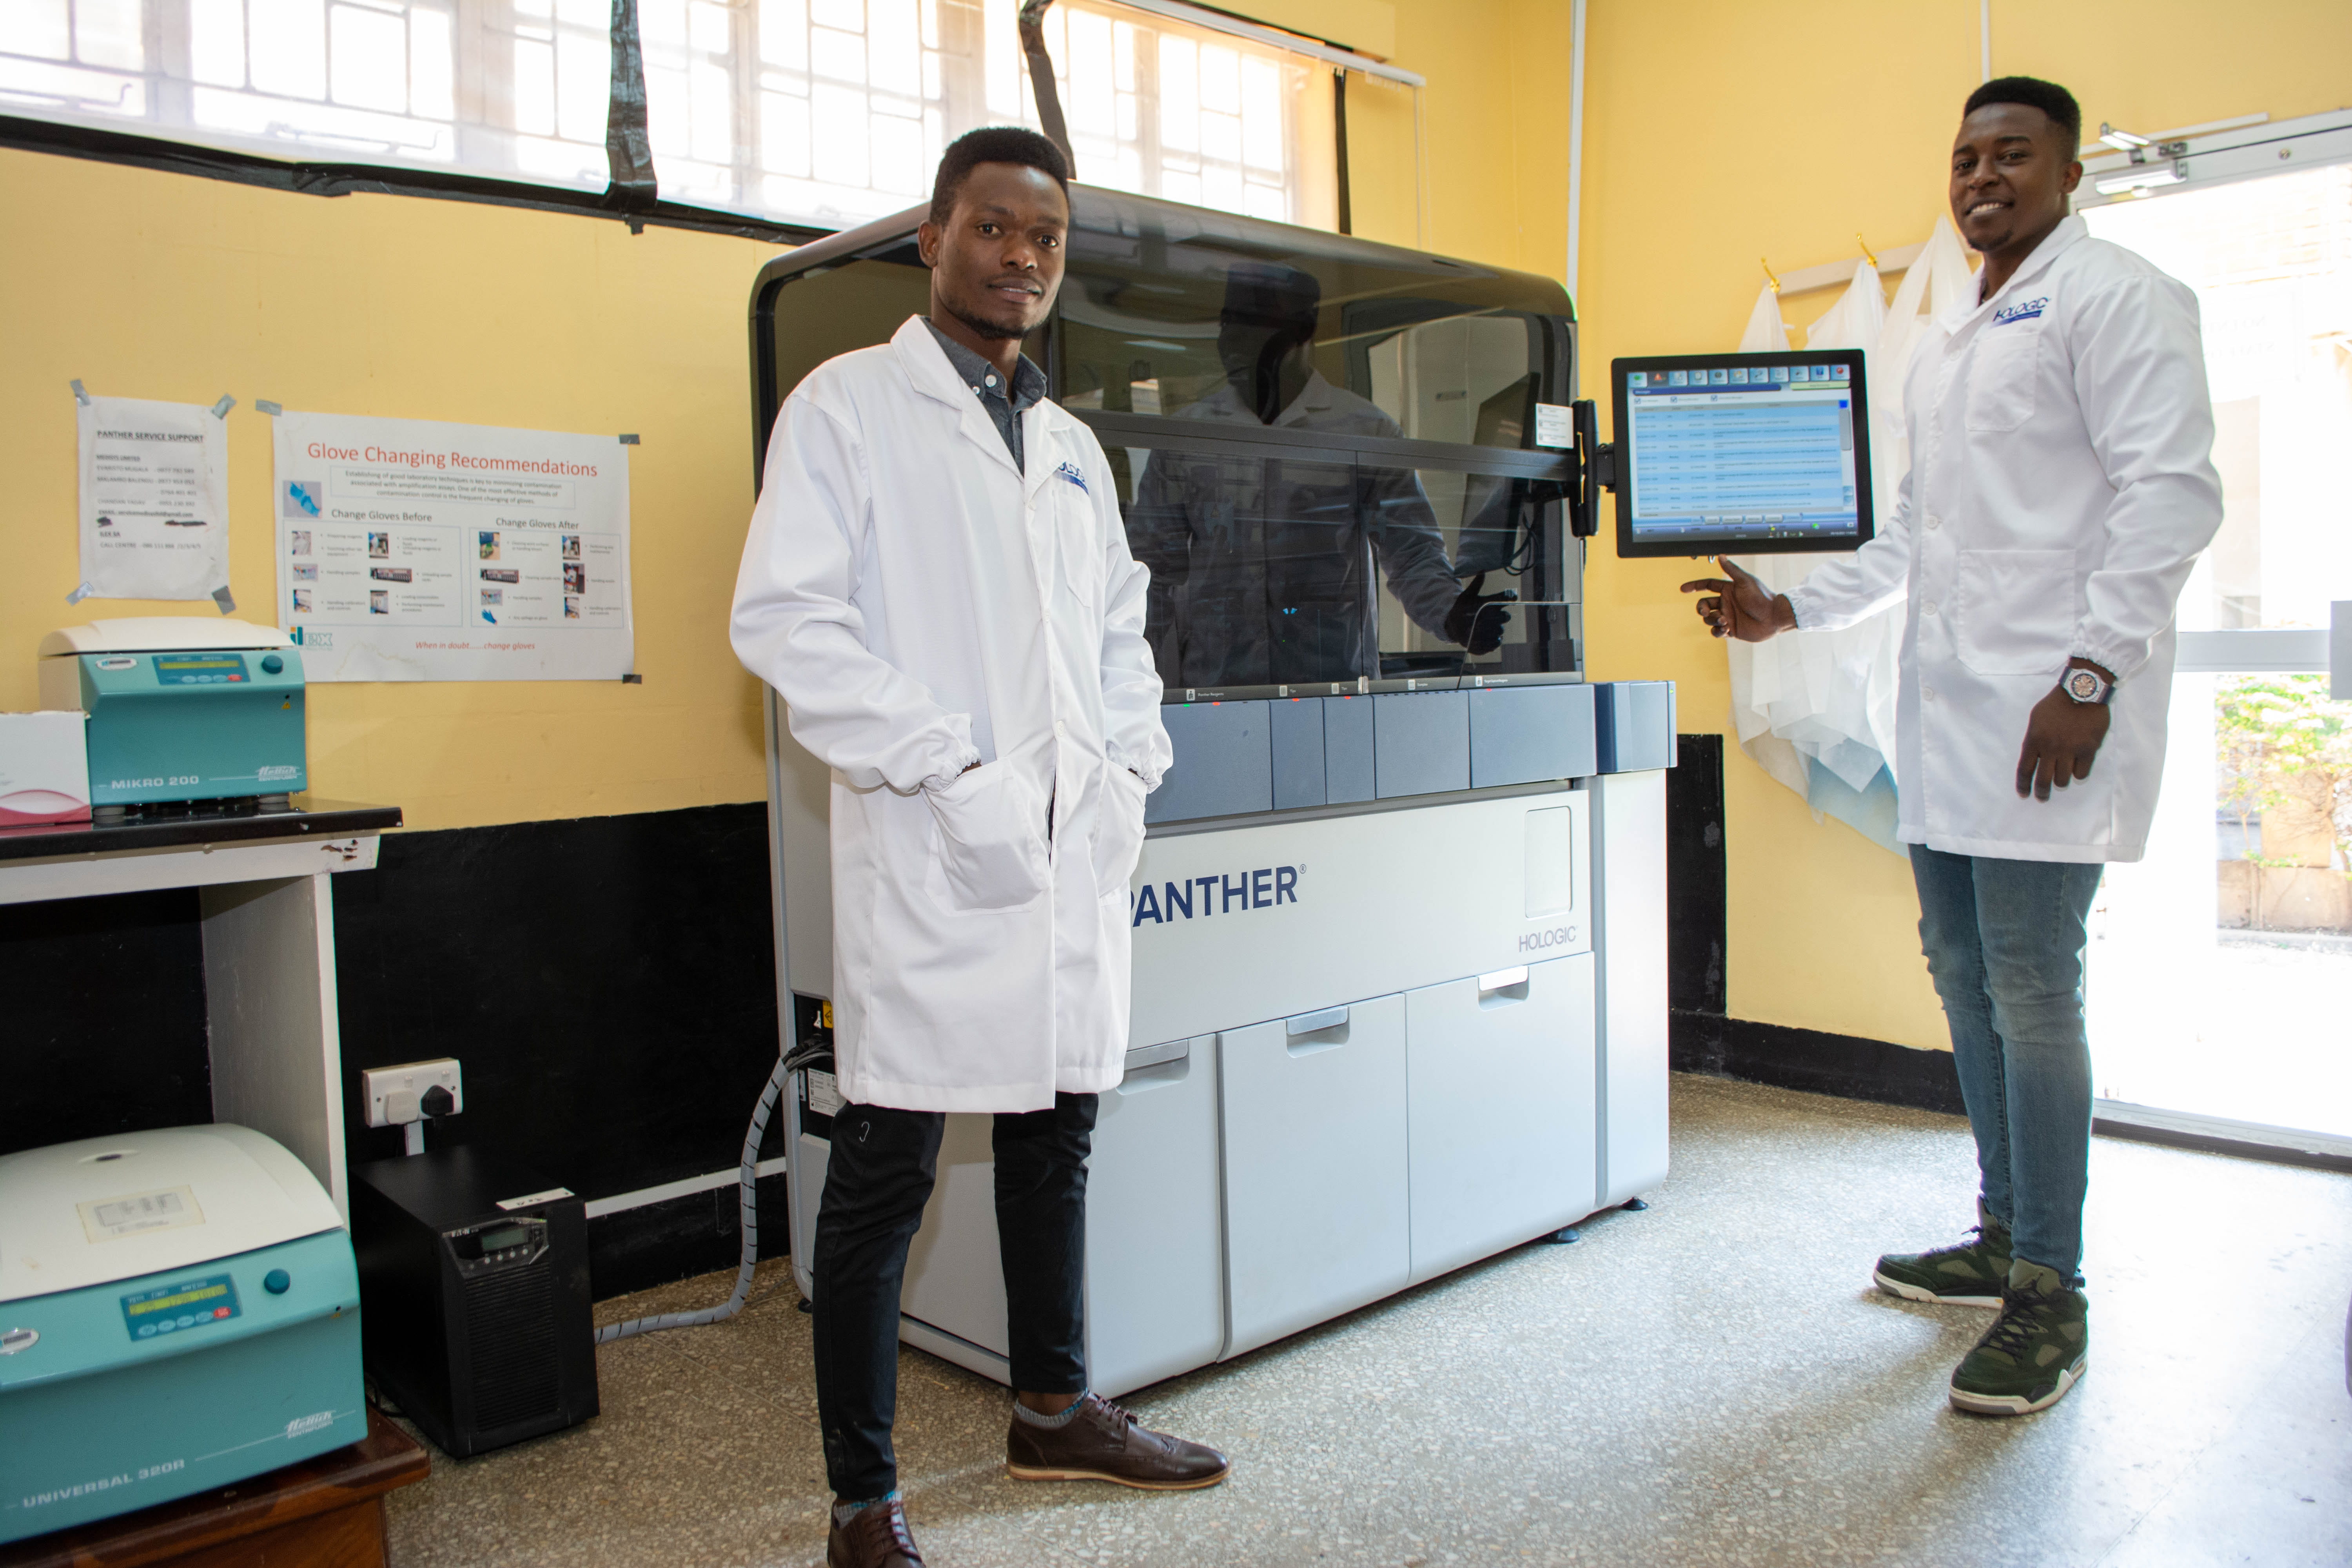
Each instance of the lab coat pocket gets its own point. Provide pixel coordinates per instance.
(2001, 380)
(988, 841)
(1119, 829)
(2014, 610)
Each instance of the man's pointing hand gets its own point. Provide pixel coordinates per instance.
(1741, 606)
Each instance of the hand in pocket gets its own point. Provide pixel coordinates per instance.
(1119, 829)
(991, 839)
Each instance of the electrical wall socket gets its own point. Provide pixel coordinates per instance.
(394, 1094)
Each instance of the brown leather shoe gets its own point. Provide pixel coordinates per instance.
(875, 1537)
(1104, 1443)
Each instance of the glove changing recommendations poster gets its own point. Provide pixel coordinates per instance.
(411, 550)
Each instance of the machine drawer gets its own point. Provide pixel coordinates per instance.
(1315, 1209)
(1155, 1262)
(1500, 1069)
(955, 1276)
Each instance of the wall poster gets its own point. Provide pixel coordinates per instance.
(155, 499)
(412, 550)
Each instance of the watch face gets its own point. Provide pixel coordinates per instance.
(2083, 686)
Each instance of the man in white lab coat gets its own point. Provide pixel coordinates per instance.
(937, 583)
(2061, 488)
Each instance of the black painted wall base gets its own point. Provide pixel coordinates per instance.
(639, 1248)
(1815, 1062)
(608, 983)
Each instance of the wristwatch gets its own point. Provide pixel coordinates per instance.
(2086, 686)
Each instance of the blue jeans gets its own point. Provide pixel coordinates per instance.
(2004, 942)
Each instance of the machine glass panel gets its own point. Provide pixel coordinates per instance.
(1274, 570)
(1325, 447)
(1181, 314)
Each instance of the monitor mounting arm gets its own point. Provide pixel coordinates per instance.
(1596, 465)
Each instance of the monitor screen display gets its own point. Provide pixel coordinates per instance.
(1741, 453)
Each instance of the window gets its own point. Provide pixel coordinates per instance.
(2271, 260)
(830, 112)
(510, 87)
(836, 112)
(2219, 962)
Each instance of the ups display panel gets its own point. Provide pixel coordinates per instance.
(1325, 449)
(1752, 454)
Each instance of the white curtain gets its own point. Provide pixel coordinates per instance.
(1816, 709)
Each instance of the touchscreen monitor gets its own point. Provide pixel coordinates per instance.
(1741, 454)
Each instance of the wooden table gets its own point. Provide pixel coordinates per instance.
(326, 1512)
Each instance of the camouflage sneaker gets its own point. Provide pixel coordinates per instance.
(1972, 1274)
(2027, 1360)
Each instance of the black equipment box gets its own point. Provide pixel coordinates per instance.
(475, 1286)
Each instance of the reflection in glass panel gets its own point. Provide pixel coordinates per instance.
(1269, 570)
(1200, 316)
(1271, 367)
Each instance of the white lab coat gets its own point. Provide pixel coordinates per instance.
(2061, 488)
(919, 603)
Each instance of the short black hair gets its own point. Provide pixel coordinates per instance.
(993, 144)
(2033, 92)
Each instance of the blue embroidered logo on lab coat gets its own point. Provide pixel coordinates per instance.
(2024, 311)
(1070, 472)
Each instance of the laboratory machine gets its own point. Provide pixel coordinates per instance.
(179, 1310)
(182, 710)
(1400, 974)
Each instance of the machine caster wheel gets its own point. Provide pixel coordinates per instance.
(1633, 1205)
(1563, 1236)
(804, 1306)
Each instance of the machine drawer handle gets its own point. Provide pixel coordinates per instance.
(1152, 1055)
(1502, 987)
(1312, 1032)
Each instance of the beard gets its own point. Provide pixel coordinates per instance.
(994, 332)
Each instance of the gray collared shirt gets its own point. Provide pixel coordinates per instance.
(1028, 389)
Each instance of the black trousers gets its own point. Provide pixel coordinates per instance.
(875, 1183)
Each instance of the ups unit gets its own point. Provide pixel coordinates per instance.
(475, 1273)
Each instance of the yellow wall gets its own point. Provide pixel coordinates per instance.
(164, 285)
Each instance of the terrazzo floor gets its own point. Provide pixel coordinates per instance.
(1712, 1380)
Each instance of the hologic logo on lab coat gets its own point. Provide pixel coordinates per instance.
(2023, 311)
(1259, 889)
(1070, 472)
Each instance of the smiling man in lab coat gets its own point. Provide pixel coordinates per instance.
(938, 584)
(2061, 488)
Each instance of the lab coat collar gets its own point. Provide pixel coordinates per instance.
(1315, 398)
(927, 367)
(1224, 404)
(2056, 243)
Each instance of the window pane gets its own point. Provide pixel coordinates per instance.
(889, 82)
(216, 42)
(40, 29)
(369, 58)
(2231, 943)
(106, 33)
(376, 81)
(2271, 260)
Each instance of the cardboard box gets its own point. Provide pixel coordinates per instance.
(44, 768)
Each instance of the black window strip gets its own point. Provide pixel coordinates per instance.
(319, 179)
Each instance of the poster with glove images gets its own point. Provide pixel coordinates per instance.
(413, 549)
